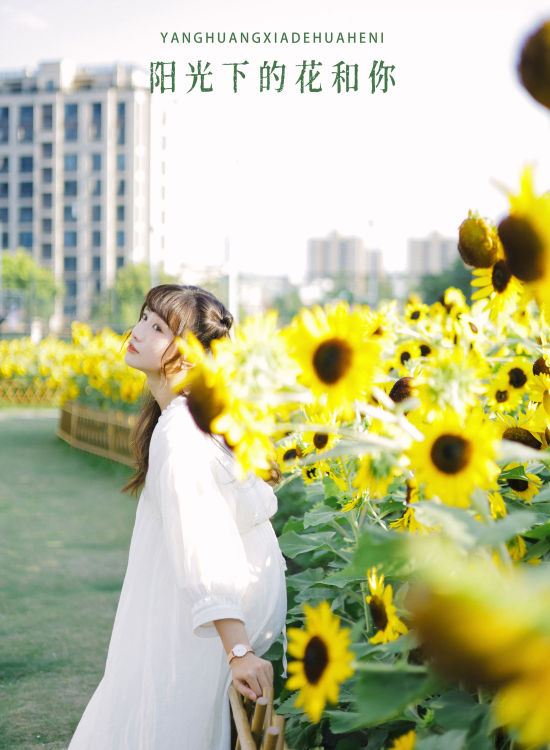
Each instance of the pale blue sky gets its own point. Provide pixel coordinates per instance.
(271, 170)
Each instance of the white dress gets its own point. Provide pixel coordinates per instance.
(202, 549)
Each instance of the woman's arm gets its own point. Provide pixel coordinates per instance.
(251, 674)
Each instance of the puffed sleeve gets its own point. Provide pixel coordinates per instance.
(201, 534)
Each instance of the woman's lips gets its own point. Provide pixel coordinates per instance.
(132, 348)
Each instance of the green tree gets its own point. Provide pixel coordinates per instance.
(432, 287)
(119, 306)
(37, 284)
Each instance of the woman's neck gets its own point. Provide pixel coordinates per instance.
(162, 389)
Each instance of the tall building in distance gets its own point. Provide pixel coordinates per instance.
(348, 262)
(81, 177)
(430, 256)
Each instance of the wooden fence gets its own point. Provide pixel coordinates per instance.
(105, 433)
(15, 392)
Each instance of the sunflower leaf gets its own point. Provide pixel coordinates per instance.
(504, 529)
(293, 544)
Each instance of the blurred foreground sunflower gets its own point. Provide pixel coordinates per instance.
(323, 659)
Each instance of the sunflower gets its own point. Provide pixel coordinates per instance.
(336, 352)
(501, 396)
(375, 474)
(323, 659)
(455, 457)
(519, 372)
(526, 488)
(320, 441)
(404, 742)
(389, 626)
(289, 451)
(497, 505)
(499, 286)
(539, 392)
(451, 379)
(525, 236)
(415, 312)
(522, 705)
(408, 522)
(405, 355)
(478, 242)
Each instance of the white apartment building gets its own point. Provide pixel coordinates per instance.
(347, 261)
(82, 169)
(431, 255)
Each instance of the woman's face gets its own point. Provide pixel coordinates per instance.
(148, 342)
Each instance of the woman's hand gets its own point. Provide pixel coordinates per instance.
(251, 675)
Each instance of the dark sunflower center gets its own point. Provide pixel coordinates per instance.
(517, 377)
(332, 360)
(311, 472)
(320, 440)
(401, 389)
(451, 453)
(523, 247)
(523, 436)
(290, 454)
(378, 612)
(501, 276)
(425, 350)
(473, 327)
(315, 660)
(405, 356)
(379, 331)
(519, 485)
(501, 396)
(415, 315)
(204, 405)
(540, 367)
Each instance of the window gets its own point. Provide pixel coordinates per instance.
(69, 263)
(4, 124)
(121, 123)
(120, 238)
(71, 162)
(70, 188)
(4, 164)
(25, 131)
(96, 187)
(120, 213)
(96, 263)
(119, 261)
(69, 213)
(3, 215)
(95, 126)
(5, 240)
(25, 214)
(69, 238)
(46, 250)
(47, 175)
(47, 150)
(121, 162)
(47, 118)
(71, 288)
(25, 163)
(71, 122)
(4, 187)
(96, 238)
(96, 162)
(121, 188)
(47, 200)
(25, 189)
(25, 240)
(98, 286)
(69, 310)
(47, 226)
(96, 213)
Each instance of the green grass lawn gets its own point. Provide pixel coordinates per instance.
(64, 536)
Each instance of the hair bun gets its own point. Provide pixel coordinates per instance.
(227, 320)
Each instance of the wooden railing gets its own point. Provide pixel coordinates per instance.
(105, 433)
(15, 392)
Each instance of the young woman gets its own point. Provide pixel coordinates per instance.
(204, 594)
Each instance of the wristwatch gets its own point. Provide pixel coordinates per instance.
(239, 649)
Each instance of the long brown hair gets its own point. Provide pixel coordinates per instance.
(183, 308)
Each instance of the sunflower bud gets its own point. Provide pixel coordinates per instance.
(534, 65)
(478, 243)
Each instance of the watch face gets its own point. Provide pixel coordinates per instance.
(239, 649)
